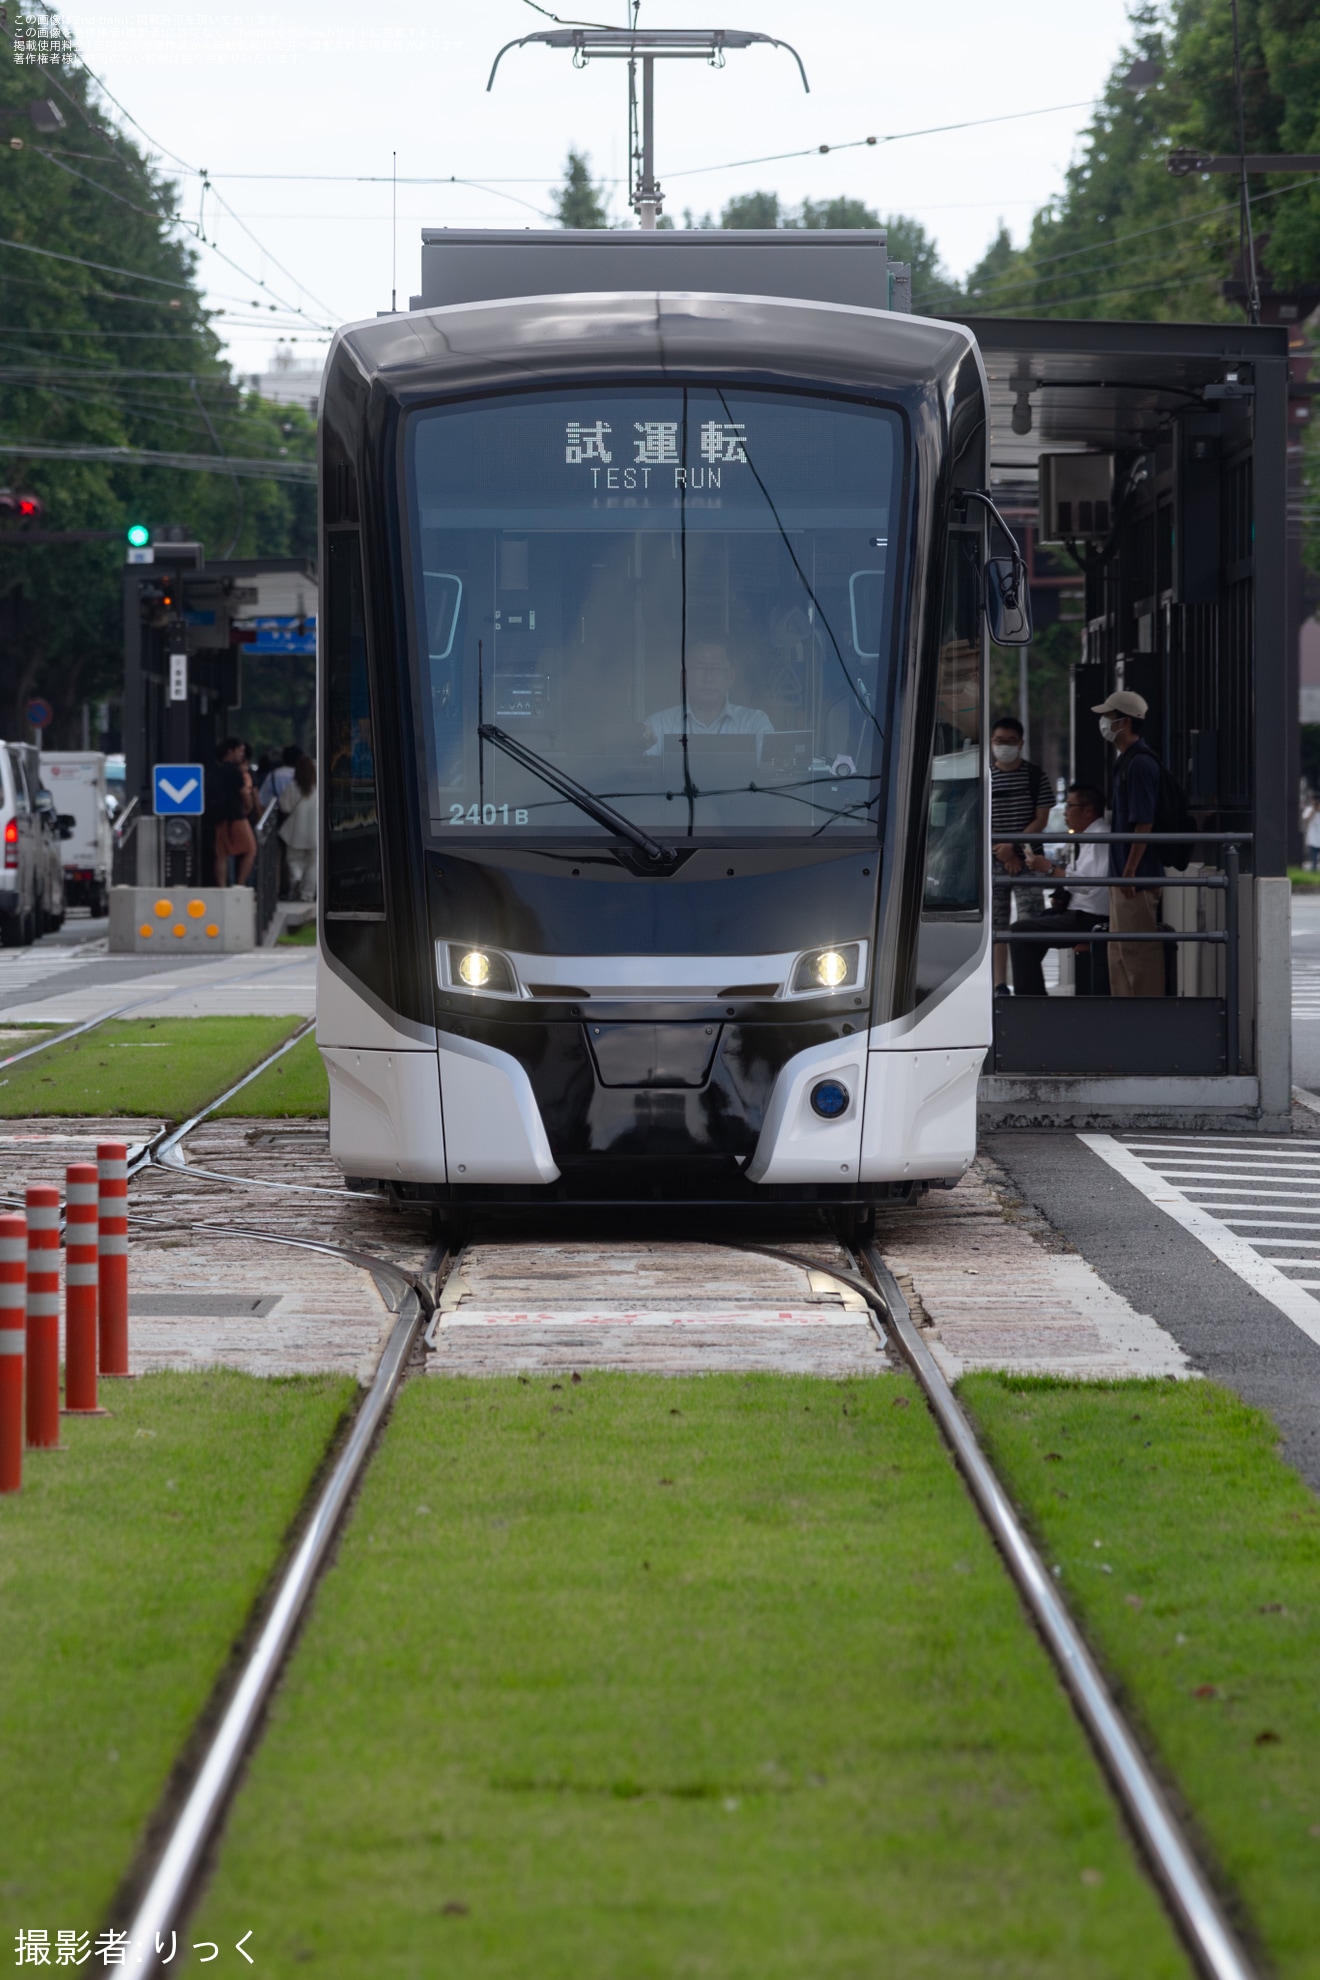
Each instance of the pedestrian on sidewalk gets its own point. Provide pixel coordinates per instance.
(1136, 969)
(1019, 802)
(279, 775)
(298, 830)
(1311, 827)
(234, 837)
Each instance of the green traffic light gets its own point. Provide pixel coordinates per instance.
(139, 536)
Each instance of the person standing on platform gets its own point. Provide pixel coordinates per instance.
(1136, 969)
(1019, 802)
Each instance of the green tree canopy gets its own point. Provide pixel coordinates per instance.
(120, 354)
(1125, 238)
(756, 209)
(578, 203)
(907, 239)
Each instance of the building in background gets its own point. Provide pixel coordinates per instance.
(290, 381)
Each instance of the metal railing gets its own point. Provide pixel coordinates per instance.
(1225, 882)
(266, 870)
(122, 849)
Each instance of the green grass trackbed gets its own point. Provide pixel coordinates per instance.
(129, 1563)
(645, 1678)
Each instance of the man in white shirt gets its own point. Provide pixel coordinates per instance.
(709, 709)
(1088, 906)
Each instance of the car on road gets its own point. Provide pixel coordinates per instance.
(32, 875)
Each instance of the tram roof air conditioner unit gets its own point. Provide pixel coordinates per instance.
(1076, 497)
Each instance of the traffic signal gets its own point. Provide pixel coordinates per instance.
(26, 507)
(139, 536)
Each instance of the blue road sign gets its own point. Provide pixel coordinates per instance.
(176, 790)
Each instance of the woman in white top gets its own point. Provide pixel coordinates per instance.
(298, 831)
(1311, 822)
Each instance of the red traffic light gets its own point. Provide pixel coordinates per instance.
(26, 507)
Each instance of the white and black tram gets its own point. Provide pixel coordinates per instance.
(653, 635)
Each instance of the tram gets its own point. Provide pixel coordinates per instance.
(654, 859)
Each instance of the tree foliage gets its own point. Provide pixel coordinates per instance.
(121, 355)
(579, 203)
(908, 240)
(1127, 239)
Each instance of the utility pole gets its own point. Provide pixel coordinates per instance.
(649, 46)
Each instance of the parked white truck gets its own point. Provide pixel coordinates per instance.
(76, 780)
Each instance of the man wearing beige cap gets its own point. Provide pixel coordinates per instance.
(1136, 969)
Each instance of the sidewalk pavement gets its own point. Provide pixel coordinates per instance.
(260, 984)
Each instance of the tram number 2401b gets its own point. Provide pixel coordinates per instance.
(486, 814)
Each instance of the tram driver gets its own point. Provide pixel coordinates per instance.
(710, 712)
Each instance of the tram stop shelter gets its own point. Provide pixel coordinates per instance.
(1176, 524)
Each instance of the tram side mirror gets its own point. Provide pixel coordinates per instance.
(1007, 604)
(66, 824)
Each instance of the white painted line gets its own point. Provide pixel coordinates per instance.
(1261, 1274)
(1270, 1223)
(1215, 1164)
(1222, 1188)
(1202, 1180)
(1223, 1147)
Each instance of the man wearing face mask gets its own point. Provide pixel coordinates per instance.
(1019, 802)
(1136, 969)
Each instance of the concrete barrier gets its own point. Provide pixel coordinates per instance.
(182, 920)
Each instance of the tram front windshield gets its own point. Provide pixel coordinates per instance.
(683, 598)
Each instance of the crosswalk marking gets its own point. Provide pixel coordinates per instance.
(1305, 987)
(1209, 1184)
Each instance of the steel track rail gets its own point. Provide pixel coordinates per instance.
(162, 1908)
(1195, 1908)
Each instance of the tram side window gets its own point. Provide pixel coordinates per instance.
(353, 878)
(953, 837)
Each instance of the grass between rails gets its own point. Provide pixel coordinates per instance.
(164, 1068)
(1191, 1553)
(644, 1679)
(296, 1084)
(303, 937)
(129, 1564)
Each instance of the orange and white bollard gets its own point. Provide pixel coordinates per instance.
(112, 1248)
(13, 1342)
(43, 1317)
(80, 1279)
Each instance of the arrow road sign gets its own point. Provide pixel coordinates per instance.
(177, 790)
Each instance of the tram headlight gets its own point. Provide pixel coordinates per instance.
(836, 968)
(466, 967)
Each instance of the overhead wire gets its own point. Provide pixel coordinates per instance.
(196, 229)
(887, 137)
(111, 139)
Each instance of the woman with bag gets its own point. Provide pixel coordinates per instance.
(298, 830)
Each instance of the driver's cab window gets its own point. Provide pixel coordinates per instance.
(953, 836)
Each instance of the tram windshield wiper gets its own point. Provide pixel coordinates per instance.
(585, 800)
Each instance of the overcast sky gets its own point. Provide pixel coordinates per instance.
(271, 104)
